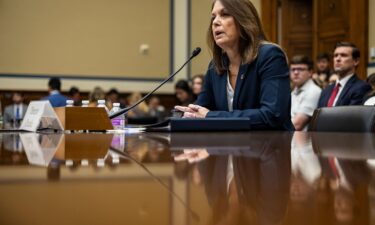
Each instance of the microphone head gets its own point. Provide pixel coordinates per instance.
(196, 52)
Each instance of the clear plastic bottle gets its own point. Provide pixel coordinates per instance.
(101, 103)
(85, 103)
(69, 103)
(1, 117)
(118, 122)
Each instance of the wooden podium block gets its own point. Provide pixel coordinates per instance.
(83, 118)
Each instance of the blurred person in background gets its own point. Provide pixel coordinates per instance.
(14, 113)
(156, 109)
(323, 70)
(75, 95)
(141, 110)
(55, 97)
(197, 84)
(370, 96)
(113, 96)
(184, 93)
(96, 94)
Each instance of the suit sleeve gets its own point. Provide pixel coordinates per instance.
(274, 95)
(359, 94)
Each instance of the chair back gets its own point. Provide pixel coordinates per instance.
(354, 118)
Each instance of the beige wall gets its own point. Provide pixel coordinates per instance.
(109, 58)
(85, 38)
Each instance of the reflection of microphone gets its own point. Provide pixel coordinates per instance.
(125, 110)
(193, 214)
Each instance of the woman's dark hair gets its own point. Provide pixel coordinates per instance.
(73, 90)
(251, 32)
(184, 85)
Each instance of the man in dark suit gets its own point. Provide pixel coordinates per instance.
(14, 113)
(348, 89)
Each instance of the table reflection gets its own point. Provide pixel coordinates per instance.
(205, 178)
(245, 183)
(330, 178)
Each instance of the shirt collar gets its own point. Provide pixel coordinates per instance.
(344, 80)
(298, 90)
(54, 92)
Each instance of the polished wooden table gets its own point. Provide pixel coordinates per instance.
(187, 178)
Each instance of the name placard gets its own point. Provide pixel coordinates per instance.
(40, 148)
(40, 114)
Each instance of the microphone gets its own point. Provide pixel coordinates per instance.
(125, 110)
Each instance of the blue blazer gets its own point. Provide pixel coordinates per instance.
(262, 91)
(352, 94)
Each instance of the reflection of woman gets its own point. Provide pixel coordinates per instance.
(248, 77)
(249, 187)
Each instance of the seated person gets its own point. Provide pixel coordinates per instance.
(248, 76)
(14, 113)
(55, 97)
(184, 93)
(306, 93)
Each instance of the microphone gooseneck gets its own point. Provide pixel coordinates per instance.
(125, 110)
(124, 155)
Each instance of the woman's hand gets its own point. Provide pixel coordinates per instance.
(192, 155)
(193, 111)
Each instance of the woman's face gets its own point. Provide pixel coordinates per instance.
(182, 95)
(224, 28)
(197, 85)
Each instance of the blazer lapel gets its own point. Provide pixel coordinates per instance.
(346, 89)
(241, 77)
(329, 92)
(223, 86)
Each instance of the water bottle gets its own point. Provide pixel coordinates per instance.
(85, 103)
(1, 117)
(117, 122)
(101, 103)
(69, 103)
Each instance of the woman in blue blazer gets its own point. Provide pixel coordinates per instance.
(248, 76)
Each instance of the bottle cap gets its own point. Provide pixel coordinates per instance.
(69, 102)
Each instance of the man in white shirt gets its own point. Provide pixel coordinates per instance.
(305, 94)
(13, 114)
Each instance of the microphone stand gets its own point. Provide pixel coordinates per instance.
(125, 110)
